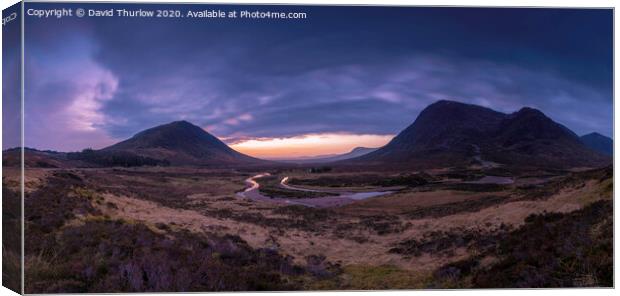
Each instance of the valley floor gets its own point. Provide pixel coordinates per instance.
(188, 229)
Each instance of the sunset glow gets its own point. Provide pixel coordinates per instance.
(310, 145)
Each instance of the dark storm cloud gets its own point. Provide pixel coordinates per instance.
(357, 70)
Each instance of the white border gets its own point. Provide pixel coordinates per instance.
(498, 3)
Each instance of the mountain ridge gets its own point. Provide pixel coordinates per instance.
(355, 152)
(182, 143)
(444, 134)
(598, 143)
(450, 133)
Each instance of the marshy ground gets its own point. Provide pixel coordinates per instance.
(188, 229)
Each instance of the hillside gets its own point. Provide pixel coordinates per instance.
(182, 143)
(449, 133)
(599, 143)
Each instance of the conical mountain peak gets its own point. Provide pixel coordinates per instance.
(181, 142)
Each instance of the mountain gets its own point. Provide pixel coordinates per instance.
(356, 152)
(181, 143)
(449, 133)
(599, 143)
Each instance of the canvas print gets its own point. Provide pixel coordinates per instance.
(11, 137)
(185, 148)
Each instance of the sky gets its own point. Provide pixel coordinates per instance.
(341, 78)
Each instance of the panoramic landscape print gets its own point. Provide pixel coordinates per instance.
(340, 148)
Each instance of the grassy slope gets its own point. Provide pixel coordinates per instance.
(71, 247)
(103, 254)
(551, 250)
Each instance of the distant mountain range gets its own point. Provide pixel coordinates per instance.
(449, 133)
(599, 143)
(445, 134)
(356, 152)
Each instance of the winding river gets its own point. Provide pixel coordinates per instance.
(338, 199)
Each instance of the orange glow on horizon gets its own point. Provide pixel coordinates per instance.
(310, 145)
